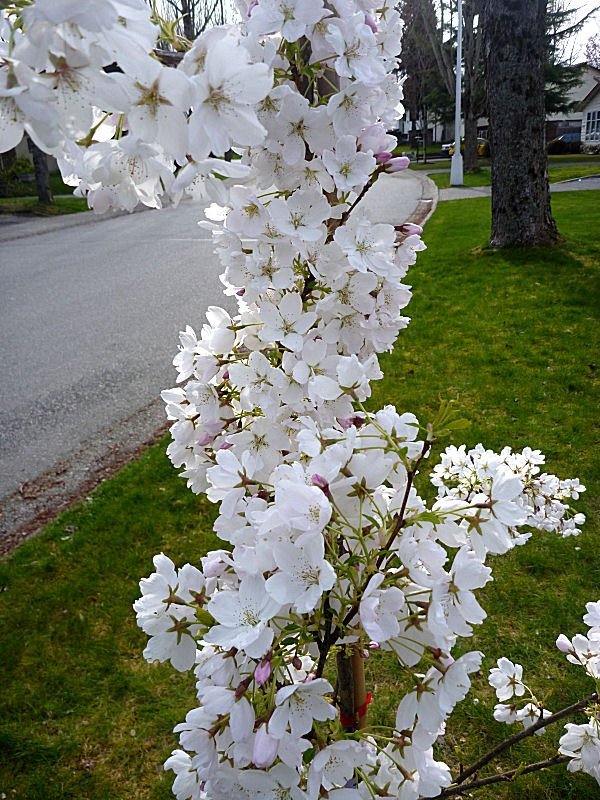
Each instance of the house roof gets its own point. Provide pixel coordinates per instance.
(594, 91)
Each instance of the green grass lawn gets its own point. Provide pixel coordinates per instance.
(482, 177)
(578, 159)
(510, 336)
(29, 206)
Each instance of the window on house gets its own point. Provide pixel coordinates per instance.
(592, 125)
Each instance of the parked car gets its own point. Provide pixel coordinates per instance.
(567, 143)
(483, 147)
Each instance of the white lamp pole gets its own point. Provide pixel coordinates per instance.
(456, 165)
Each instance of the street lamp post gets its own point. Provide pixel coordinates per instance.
(456, 165)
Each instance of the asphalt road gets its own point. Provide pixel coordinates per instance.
(90, 312)
(89, 320)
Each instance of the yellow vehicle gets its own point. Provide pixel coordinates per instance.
(483, 147)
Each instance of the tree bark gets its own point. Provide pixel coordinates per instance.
(345, 688)
(42, 173)
(470, 67)
(514, 60)
(351, 690)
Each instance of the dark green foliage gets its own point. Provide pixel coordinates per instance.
(12, 173)
(560, 74)
(31, 207)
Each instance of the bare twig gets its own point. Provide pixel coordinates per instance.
(503, 777)
(400, 517)
(541, 723)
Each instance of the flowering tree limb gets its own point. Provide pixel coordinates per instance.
(543, 722)
(502, 777)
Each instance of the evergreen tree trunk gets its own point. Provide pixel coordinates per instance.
(42, 173)
(514, 59)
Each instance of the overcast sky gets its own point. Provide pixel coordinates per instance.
(591, 27)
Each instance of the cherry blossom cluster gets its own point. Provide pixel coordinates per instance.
(581, 742)
(329, 549)
(507, 680)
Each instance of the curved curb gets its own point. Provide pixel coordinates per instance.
(428, 202)
(27, 227)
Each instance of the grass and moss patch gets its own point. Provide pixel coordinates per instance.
(31, 207)
(483, 177)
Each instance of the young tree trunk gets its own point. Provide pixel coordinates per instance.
(351, 689)
(514, 59)
(42, 173)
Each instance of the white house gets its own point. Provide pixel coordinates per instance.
(590, 120)
(571, 121)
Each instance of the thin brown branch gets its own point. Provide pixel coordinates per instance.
(400, 517)
(524, 734)
(395, 530)
(503, 777)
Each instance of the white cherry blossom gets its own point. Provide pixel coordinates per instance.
(243, 617)
(349, 167)
(329, 541)
(506, 679)
(298, 705)
(303, 574)
(223, 98)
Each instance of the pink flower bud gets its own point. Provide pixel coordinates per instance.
(374, 646)
(296, 662)
(370, 21)
(381, 158)
(265, 748)
(262, 673)
(397, 164)
(240, 292)
(410, 229)
(350, 421)
(319, 480)
(226, 375)
(563, 644)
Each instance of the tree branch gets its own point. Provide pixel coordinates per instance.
(524, 734)
(440, 55)
(503, 777)
(400, 518)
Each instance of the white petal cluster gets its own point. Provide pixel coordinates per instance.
(329, 544)
(517, 492)
(80, 64)
(585, 650)
(581, 742)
